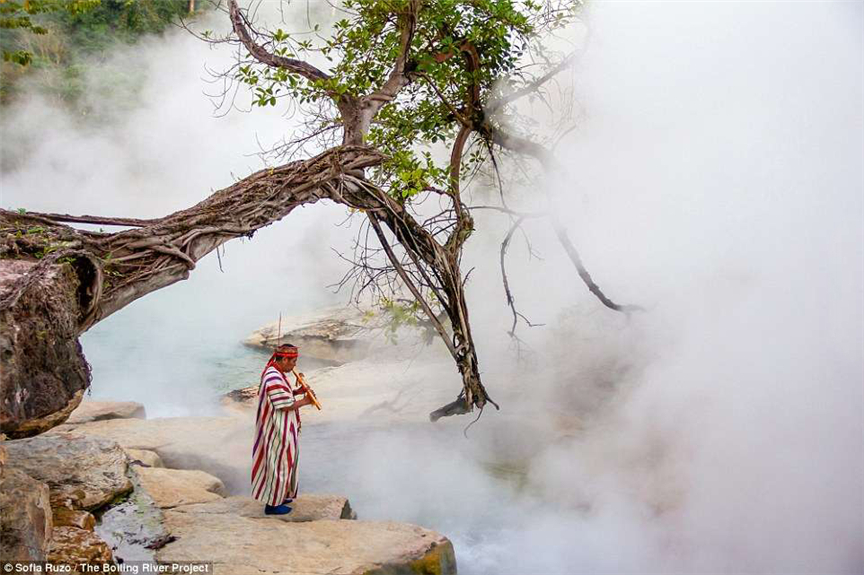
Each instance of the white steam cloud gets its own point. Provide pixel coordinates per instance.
(716, 179)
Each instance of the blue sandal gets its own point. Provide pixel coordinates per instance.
(277, 509)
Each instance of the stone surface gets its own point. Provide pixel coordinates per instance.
(144, 457)
(304, 508)
(71, 546)
(220, 446)
(44, 372)
(25, 517)
(90, 410)
(333, 335)
(133, 527)
(66, 517)
(82, 472)
(173, 487)
(237, 545)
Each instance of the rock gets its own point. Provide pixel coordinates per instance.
(305, 508)
(333, 335)
(145, 457)
(237, 545)
(25, 517)
(36, 425)
(173, 487)
(212, 444)
(244, 397)
(134, 527)
(66, 517)
(101, 410)
(82, 472)
(44, 372)
(72, 546)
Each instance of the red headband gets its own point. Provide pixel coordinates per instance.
(293, 352)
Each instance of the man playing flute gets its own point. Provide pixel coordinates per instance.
(277, 426)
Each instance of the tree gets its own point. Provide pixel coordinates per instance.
(404, 72)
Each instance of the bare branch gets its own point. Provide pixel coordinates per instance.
(541, 154)
(242, 29)
(497, 103)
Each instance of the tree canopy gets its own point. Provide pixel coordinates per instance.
(407, 98)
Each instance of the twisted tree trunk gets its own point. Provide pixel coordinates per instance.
(57, 281)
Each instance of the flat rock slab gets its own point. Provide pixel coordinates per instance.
(155, 434)
(82, 472)
(333, 335)
(144, 457)
(102, 410)
(238, 545)
(172, 487)
(304, 508)
(211, 444)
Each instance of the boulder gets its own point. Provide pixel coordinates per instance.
(99, 410)
(73, 546)
(43, 368)
(304, 508)
(82, 472)
(173, 487)
(237, 545)
(25, 517)
(144, 457)
(68, 517)
(333, 336)
(212, 444)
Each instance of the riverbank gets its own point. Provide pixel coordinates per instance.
(127, 488)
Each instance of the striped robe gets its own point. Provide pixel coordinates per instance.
(275, 453)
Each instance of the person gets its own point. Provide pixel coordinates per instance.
(277, 425)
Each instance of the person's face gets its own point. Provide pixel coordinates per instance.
(287, 363)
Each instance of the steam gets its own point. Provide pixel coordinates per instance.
(716, 179)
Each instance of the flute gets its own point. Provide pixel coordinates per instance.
(307, 389)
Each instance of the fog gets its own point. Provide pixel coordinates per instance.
(715, 178)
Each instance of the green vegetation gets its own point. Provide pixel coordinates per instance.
(48, 44)
(462, 57)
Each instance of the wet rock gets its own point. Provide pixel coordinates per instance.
(173, 487)
(134, 527)
(72, 546)
(82, 472)
(67, 517)
(239, 545)
(333, 336)
(100, 410)
(25, 517)
(144, 457)
(304, 508)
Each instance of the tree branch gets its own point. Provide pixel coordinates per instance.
(537, 151)
(242, 29)
(497, 103)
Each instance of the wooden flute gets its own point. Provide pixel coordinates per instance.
(308, 390)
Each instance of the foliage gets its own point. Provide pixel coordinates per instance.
(362, 48)
(19, 16)
(51, 40)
